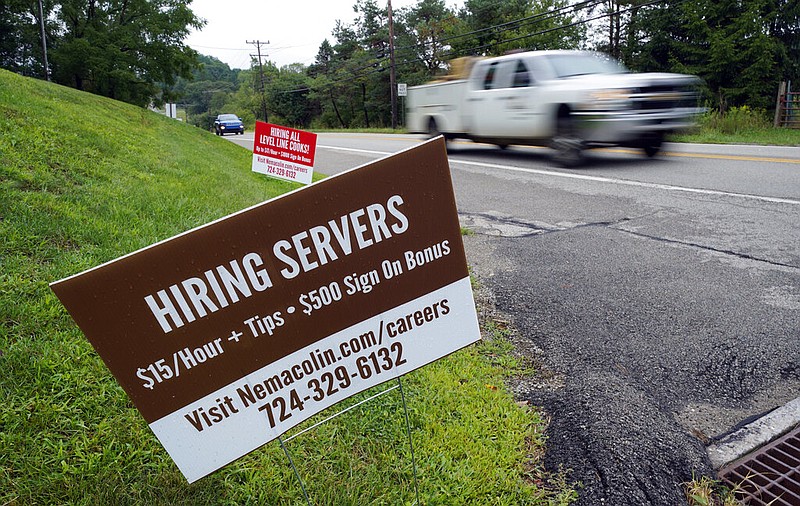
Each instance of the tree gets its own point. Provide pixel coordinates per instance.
(200, 97)
(490, 29)
(370, 64)
(556, 25)
(617, 18)
(21, 43)
(124, 49)
(288, 96)
(212, 69)
(335, 87)
(349, 79)
(427, 25)
(785, 26)
(485, 24)
(737, 46)
(210, 87)
(322, 73)
(246, 102)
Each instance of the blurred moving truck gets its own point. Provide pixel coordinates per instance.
(567, 100)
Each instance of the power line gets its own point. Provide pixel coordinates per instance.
(519, 23)
(451, 54)
(500, 29)
(377, 61)
(540, 17)
(571, 24)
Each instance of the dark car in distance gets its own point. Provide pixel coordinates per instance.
(228, 124)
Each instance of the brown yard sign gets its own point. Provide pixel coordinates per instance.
(228, 335)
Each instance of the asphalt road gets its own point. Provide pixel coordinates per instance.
(659, 299)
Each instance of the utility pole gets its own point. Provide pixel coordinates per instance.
(44, 42)
(392, 74)
(258, 45)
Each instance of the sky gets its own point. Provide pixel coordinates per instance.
(294, 28)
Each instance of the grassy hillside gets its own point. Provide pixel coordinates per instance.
(84, 180)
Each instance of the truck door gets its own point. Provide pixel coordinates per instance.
(512, 107)
(487, 98)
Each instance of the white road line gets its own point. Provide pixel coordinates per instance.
(354, 150)
(599, 179)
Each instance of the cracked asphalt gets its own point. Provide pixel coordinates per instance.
(668, 317)
(658, 299)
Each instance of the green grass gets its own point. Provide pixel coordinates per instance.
(761, 136)
(84, 180)
(740, 125)
(399, 130)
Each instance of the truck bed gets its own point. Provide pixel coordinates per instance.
(440, 101)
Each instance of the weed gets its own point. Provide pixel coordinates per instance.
(704, 491)
(740, 125)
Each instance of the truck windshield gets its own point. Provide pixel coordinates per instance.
(569, 65)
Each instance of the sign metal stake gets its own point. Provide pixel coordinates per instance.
(410, 440)
(408, 433)
(296, 472)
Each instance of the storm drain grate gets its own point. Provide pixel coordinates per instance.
(769, 475)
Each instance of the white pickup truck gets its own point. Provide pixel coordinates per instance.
(567, 100)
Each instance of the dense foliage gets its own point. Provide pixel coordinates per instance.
(741, 48)
(129, 50)
(348, 83)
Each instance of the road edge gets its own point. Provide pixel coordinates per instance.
(753, 435)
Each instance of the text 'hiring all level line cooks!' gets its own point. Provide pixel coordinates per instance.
(228, 335)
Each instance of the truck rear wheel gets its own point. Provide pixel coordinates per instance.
(567, 143)
(433, 129)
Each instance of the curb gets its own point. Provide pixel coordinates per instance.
(755, 434)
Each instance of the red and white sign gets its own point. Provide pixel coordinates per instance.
(284, 152)
(228, 335)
